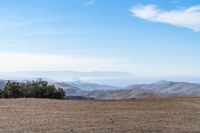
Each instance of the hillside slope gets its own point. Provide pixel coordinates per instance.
(169, 115)
(158, 89)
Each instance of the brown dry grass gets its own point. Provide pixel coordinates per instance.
(167, 115)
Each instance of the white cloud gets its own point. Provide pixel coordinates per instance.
(90, 3)
(186, 17)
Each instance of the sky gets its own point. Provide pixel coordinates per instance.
(143, 37)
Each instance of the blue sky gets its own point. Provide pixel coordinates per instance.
(144, 37)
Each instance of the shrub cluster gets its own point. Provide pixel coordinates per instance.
(33, 89)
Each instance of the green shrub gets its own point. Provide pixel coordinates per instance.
(34, 89)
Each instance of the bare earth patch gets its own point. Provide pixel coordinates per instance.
(167, 115)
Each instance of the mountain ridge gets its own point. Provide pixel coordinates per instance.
(157, 89)
(104, 92)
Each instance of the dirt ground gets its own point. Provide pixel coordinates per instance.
(167, 115)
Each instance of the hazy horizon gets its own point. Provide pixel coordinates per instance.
(146, 38)
(120, 79)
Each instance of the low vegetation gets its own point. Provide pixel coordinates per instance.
(33, 89)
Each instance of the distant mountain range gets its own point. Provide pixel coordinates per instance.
(96, 76)
(170, 88)
(63, 75)
(92, 86)
(158, 89)
(106, 92)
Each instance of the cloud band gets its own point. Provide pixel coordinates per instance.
(187, 17)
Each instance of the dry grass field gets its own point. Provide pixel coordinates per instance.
(167, 115)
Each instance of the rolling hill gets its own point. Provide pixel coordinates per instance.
(158, 89)
(91, 86)
(170, 88)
